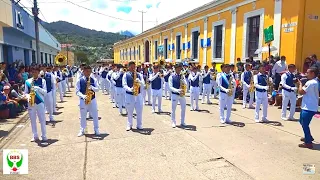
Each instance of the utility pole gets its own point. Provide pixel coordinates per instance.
(35, 11)
(142, 12)
(67, 49)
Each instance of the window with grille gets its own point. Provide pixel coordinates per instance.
(165, 48)
(195, 39)
(253, 35)
(156, 50)
(218, 35)
(41, 54)
(139, 52)
(134, 53)
(178, 48)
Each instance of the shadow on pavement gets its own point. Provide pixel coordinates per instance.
(316, 147)
(67, 96)
(237, 124)
(57, 113)
(59, 107)
(188, 127)
(273, 123)
(100, 137)
(164, 113)
(144, 131)
(48, 143)
(203, 111)
(90, 119)
(3, 133)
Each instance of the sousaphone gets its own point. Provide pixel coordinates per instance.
(61, 59)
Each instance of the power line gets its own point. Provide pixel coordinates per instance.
(113, 17)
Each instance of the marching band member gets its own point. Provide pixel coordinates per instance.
(147, 89)
(225, 98)
(103, 72)
(156, 85)
(176, 82)
(213, 82)
(309, 106)
(206, 85)
(194, 78)
(167, 74)
(261, 84)
(86, 88)
(80, 72)
(117, 82)
(58, 75)
(54, 90)
(235, 77)
(133, 101)
(288, 93)
(64, 81)
(112, 89)
(70, 79)
(51, 85)
(98, 75)
(36, 105)
(186, 73)
(279, 67)
(246, 79)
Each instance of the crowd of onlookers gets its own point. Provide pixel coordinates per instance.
(12, 99)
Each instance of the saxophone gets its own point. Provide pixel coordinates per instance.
(89, 93)
(147, 83)
(251, 88)
(183, 86)
(136, 85)
(32, 94)
(230, 87)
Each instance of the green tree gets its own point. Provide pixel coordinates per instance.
(81, 57)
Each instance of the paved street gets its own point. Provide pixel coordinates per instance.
(204, 150)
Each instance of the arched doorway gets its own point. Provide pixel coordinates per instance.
(147, 51)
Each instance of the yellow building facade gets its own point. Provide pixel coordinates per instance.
(224, 30)
(5, 21)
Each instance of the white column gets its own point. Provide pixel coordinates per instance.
(171, 53)
(1, 54)
(277, 25)
(205, 36)
(159, 44)
(186, 40)
(151, 55)
(233, 35)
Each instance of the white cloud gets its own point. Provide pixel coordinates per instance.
(166, 10)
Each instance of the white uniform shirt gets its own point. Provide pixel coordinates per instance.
(219, 81)
(94, 88)
(279, 67)
(171, 84)
(125, 84)
(310, 98)
(40, 91)
(242, 80)
(193, 76)
(283, 82)
(115, 76)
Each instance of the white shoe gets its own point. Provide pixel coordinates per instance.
(153, 111)
(173, 125)
(97, 133)
(257, 121)
(128, 128)
(284, 118)
(183, 124)
(160, 111)
(222, 122)
(202, 102)
(34, 139)
(265, 120)
(44, 139)
(228, 121)
(81, 133)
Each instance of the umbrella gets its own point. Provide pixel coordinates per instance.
(265, 49)
(168, 60)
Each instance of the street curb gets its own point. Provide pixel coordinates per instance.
(23, 117)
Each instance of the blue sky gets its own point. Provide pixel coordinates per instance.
(125, 12)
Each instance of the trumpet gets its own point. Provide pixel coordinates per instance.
(161, 74)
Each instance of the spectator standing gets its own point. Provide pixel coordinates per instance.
(278, 68)
(307, 64)
(309, 106)
(240, 65)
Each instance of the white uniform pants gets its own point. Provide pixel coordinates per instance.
(214, 85)
(64, 87)
(34, 111)
(60, 90)
(156, 94)
(286, 97)
(206, 92)
(147, 92)
(120, 99)
(245, 93)
(103, 84)
(112, 92)
(134, 103)
(174, 102)
(93, 111)
(261, 98)
(167, 90)
(54, 100)
(67, 83)
(225, 101)
(194, 97)
(48, 99)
